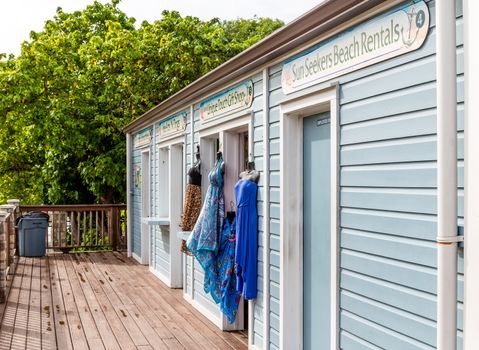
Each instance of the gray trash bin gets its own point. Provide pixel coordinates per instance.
(32, 230)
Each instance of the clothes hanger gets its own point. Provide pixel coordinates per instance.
(250, 166)
(198, 159)
(231, 214)
(250, 173)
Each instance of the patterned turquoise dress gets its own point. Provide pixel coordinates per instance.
(229, 297)
(204, 240)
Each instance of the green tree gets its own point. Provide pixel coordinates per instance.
(66, 98)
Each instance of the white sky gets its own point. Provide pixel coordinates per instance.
(19, 17)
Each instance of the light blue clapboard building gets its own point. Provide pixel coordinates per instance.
(354, 115)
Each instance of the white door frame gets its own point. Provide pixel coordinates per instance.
(291, 198)
(145, 206)
(208, 157)
(175, 203)
(471, 173)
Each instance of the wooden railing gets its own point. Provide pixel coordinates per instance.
(7, 249)
(84, 227)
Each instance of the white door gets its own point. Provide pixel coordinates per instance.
(145, 207)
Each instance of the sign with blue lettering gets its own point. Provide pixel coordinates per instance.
(394, 33)
(142, 138)
(237, 98)
(173, 125)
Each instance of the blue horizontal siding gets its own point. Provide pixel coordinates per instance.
(415, 327)
(378, 335)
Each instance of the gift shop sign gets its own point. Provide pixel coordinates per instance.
(173, 125)
(142, 138)
(232, 100)
(394, 33)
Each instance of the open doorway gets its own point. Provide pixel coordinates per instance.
(233, 141)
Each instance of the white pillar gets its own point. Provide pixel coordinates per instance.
(446, 175)
(128, 194)
(471, 256)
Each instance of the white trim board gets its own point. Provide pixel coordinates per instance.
(160, 276)
(145, 191)
(266, 217)
(129, 194)
(175, 204)
(216, 319)
(136, 257)
(291, 275)
(471, 174)
(226, 124)
(174, 140)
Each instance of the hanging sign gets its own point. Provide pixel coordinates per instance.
(136, 176)
(172, 125)
(394, 33)
(142, 138)
(235, 99)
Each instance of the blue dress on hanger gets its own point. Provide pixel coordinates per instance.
(246, 238)
(204, 240)
(230, 298)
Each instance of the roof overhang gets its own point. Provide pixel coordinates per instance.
(322, 18)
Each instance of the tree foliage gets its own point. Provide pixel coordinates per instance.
(66, 98)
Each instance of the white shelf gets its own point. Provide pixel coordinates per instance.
(183, 234)
(156, 221)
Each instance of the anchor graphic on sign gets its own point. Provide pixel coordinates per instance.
(416, 21)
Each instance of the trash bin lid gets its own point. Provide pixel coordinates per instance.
(32, 215)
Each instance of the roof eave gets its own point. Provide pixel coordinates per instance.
(320, 19)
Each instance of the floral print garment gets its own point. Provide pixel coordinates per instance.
(204, 240)
(229, 297)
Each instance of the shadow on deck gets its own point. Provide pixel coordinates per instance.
(101, 300)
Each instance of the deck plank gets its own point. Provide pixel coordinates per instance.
(166, 331)
(60, 319)
(34, 336)
(115, 307)
(19, 338)
(73, 318)
(175, 297)
(48, 336)
(100, 312)
(91, 332)
(137, 323)
(151, 300)
(10, 314)
(102, 301)
(161, 301)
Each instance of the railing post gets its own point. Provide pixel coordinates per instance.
(13, 230)
(125, 230)
(3, 262)
(114, 230)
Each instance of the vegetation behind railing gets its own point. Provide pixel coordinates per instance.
(84, 227)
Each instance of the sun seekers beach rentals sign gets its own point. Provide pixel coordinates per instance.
(237, 98)
(172, 125)
(394, 33)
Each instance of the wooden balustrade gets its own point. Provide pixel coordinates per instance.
(84, 227)
(7, 249)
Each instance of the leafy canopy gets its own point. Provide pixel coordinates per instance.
(66, 98)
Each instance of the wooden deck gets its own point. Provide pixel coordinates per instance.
(101, 301)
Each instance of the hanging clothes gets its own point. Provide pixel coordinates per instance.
(192, 207)
(229, 296)
(204, 240)
(246, 238)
